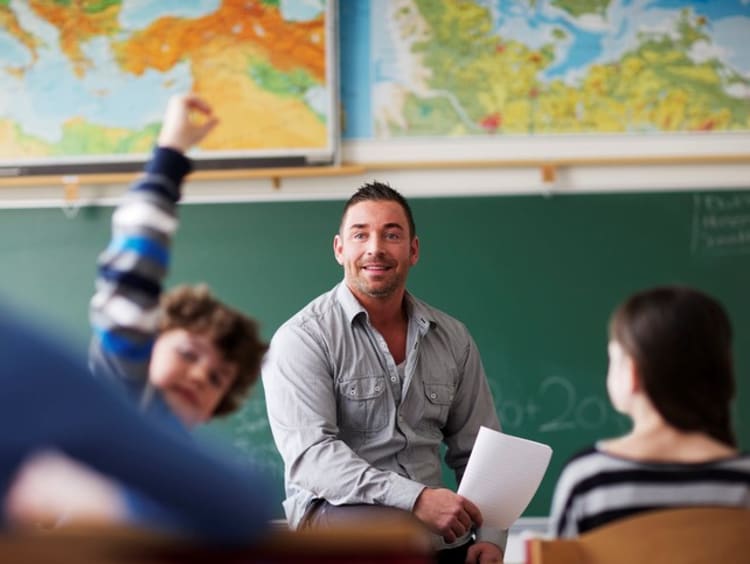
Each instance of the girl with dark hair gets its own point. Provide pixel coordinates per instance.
(670, 371)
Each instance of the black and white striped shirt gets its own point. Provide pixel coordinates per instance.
(595, 488)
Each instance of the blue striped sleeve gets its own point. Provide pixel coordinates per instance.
(142, 246)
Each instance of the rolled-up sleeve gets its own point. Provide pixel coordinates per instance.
(301, 402)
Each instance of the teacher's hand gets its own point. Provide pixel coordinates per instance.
(446, 513)
(484, 553)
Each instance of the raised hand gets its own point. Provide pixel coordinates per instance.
(187, 120)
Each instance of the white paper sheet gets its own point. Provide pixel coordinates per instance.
(502, 475)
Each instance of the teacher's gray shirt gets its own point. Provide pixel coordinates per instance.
(351, 427)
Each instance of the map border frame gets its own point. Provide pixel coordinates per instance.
(214, 160)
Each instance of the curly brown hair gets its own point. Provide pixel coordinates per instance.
(195, 309)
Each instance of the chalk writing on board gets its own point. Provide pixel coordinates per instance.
(571, 412)
(721, 224)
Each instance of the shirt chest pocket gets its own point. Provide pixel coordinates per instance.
(438, 398)
(362, 404)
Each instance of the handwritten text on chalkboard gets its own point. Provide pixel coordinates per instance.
(721, 224)
(571, 412)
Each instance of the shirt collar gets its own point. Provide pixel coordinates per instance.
(351, 305)
(419, 313)
(414, 308)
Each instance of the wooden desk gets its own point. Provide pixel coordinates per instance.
(394, 543)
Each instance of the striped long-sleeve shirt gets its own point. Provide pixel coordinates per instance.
(124, 311)
(125, 323)
(596, 488)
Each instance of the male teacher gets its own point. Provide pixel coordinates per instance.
(365, 382)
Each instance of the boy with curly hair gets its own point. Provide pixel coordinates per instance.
(183, 351)
(189, 357)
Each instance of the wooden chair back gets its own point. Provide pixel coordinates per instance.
(701, 535)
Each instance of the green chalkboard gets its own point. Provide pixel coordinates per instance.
(534, 278)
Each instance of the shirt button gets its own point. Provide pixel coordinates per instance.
(433, 395)
(393, 378)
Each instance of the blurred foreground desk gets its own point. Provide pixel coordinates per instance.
(395, 543)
